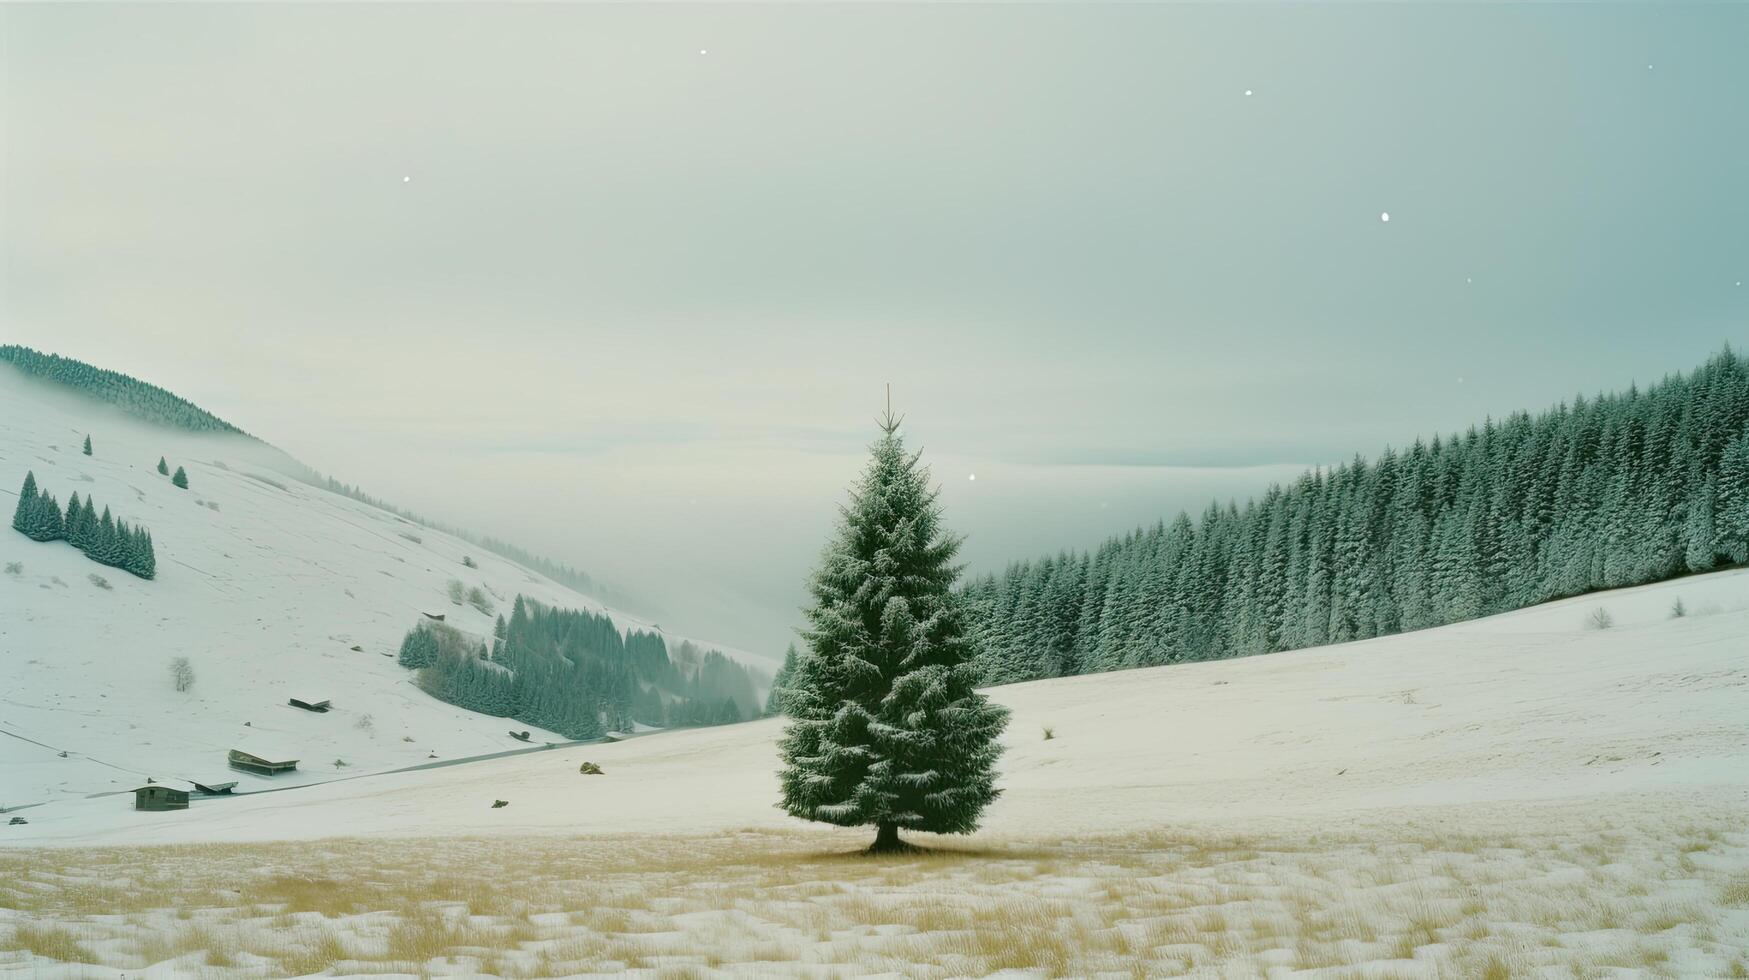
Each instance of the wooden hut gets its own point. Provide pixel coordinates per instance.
(158, 797)
(250, 762)
(309, 705)
(216, 789)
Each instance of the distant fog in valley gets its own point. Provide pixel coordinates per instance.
(623, 283)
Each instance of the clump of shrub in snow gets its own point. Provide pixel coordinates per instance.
(1599, 619)
(478, 600)
(99, 581)
(1677, 609)
(15, 568)
(181, 673)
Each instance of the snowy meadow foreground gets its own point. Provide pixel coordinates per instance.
(1521, 795)
(1474, 894)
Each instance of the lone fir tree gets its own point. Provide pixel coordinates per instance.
(163, 467)
(87, 445)
(886, 726)
(180, 479)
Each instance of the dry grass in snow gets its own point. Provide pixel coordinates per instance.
(1446, 896)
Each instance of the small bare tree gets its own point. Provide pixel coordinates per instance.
(181, 673)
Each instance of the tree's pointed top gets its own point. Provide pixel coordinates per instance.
(888, 422)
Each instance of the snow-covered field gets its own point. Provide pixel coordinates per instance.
(1524, 708)
(1518, 796)
(265, 584)
(1522, 795)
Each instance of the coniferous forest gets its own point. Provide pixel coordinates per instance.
(136, 397)
(575, 673)
(106, 539)
(1616, 490)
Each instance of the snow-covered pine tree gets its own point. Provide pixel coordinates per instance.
(24, 515)
(72, 524)
(886, 726)
(50, 525)
(1731, 512)
(145, 561)
(727, 713)
(88, 526)
(163, 467)
(1699, 530)
(104, 546)
(784, 677)
(87, 445)
(418, 648)
(124, 545)
(180, 479)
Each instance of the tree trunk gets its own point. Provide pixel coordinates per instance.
(887, 840)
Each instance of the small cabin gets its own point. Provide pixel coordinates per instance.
(156, 797)
(309, 705)
(216, 789)
(250, 762)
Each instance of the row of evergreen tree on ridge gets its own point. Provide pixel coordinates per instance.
(1617, 490)
(136, 397)
(574, 672)
(107, 540)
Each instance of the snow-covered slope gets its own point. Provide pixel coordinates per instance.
(1525, 707)
(265, 584)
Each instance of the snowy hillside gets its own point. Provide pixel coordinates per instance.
(1528, 707)
(271, 588)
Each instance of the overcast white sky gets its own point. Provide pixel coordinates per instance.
(623, 283)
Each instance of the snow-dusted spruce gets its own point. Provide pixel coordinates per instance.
(780, 681)
(105, 540)
(886, 727)
(1611, 491)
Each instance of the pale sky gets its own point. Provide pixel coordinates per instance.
(623, 283)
